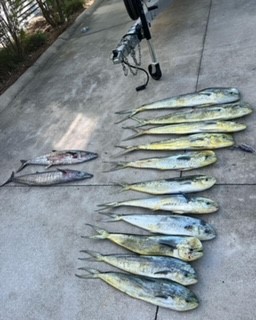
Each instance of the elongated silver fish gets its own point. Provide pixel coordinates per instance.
(185, 184)
(149, 266)
(175, 203)
(186, 248)
(49, 178)
(225, 112)
(188, 128)
(168, 224)
(62, 157)
(160, 292)
(198, 141)
(204, 97)
(182, 162)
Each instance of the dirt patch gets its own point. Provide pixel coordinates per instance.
(39, 24)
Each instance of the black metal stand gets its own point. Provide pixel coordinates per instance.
(138, 32)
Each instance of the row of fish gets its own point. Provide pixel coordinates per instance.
(55, 158)
(159, 270)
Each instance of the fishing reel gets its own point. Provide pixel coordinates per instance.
(143, 13)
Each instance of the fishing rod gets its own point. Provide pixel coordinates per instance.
(143, 14)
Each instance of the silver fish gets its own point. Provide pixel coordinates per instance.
(49, 178)
(204, 97)
(186, 248)
(179, 204)
(185, 184)
(168, 224)
(62, 157)
(148, 266)
(160, 292)
(182, 162)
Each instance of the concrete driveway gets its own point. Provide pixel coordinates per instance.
(68, 101)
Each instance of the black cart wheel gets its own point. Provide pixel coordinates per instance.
(155, 71)
(132, 8)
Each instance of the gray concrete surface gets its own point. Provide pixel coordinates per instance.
(67, 100)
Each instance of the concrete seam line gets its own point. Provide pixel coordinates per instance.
(27, 76)
(203, 45)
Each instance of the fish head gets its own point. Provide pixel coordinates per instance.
(205, 181)
(87, 155)
(75, 174)
(209, 156)
(206, 205)
(226, 94)
(206, 231)
(186, 301)
(191, 249)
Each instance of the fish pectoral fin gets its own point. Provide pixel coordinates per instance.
(186, 196)
(167, 243)
(161, 296)
(162, 272)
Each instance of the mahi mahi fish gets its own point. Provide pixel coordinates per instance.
(149, 266)
(185, 184)
(186, 248)
(160, 292)
(181, 162)
(205, 97)
(222, 112)
(188, 128)
(62, 157)
(167, 224)
(197, 141)
(49, 178)
(179, 204)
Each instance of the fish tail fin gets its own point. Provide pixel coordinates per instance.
(107, 205)
(142, 122)
(127, 150)
(111, 217)
(9, 180)
(24, 163)
(117, 166)
(123, 185)
(94, 256)
(92, 273)
(101, 233)
(131, 113)
(139, 132)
